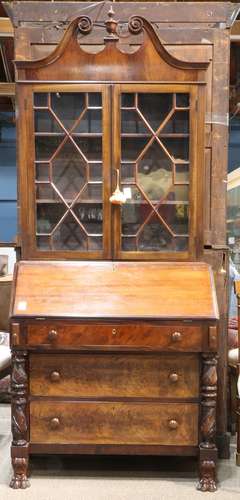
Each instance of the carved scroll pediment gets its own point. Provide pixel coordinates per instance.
(70, 62)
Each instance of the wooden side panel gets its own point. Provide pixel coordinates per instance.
(220, 107)
(114, 423)
(114, 375)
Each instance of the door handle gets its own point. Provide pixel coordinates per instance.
(118, 197)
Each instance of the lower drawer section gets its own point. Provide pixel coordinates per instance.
(114, 423)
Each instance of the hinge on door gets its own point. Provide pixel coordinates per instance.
(196, 105)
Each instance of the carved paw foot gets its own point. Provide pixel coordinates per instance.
(20, 480)
(207, 481)
(207, 484)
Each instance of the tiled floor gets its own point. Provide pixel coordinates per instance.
(107, 478)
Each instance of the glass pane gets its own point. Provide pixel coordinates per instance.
(68, 107)
(42, 171)
(155, 107)
(178, 193)
(91, 147)
(182, 100)
(41, 100)
(90, 216)
(70, 236)
(46, 192)
(178, 148)
(127, 100)
(128, 172)
(45, 146)
(69, 171)
(94, 99)
(43, 243)
(176, 217)
(133, 215)
(129, 244)
(132, 123)
(90, 123)
(48, 215)
(182, 173)
(95, 243)
(132, 147)
(45, 122)
(155, 172)
(95, 171)
(177, 124)
(92, 192)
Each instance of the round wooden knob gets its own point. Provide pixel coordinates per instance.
(55, 376)
(114, 331)
(55, 423)
(173, 377)
(52, 335)
(172, 424)
(176, 336)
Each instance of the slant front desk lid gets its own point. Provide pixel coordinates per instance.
(114, 290)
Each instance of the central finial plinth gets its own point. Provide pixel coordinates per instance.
(111, 25)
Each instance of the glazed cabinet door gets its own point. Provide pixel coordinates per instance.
(66, 172)
(158, 131)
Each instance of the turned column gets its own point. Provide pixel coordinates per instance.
(207, 447)
(20, 427)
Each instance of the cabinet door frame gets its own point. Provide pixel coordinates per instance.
(26, 161)
(196, 158)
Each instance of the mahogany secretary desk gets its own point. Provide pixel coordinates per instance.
(112, 169)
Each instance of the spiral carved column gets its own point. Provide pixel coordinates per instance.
(19, 450)
(208, 450)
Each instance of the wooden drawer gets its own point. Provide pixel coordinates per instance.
(176, 337)
(115, 375)
(114, 423)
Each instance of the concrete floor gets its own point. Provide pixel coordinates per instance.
(112, 478)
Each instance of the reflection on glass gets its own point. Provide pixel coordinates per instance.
(155, 172)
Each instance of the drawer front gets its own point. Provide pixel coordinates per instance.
(177, 337)
(113, 423)
(114, 375)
